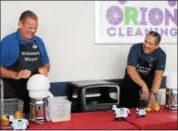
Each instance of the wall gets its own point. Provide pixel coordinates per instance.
(67, 29)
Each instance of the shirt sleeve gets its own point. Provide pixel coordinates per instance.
(132, 57)
(4, 52)
(161, 62)
(45, 58)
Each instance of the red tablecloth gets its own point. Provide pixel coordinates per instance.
(89, 120)
(165, 119)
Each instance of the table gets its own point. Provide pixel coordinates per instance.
(165, 119)
(88, 120)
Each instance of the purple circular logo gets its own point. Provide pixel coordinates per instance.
(172, 2)
(155, 16)
(122, 1)
(114, 15)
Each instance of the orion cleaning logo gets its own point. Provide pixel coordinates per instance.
(127, 20)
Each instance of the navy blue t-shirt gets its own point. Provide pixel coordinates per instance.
(9, 49)
(136, 52)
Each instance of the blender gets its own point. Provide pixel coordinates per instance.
(171, 91)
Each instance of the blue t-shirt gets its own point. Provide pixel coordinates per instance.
(9, 49)
(136, 52)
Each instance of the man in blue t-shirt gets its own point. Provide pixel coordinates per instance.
(22, 54)
(144, 72)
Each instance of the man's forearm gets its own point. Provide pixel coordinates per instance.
(157, 81)
(47, 67)
(6, 73)
(134, 75)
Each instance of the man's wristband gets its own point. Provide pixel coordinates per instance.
(153, 93)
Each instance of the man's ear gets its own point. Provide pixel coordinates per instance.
(20, 24)
(157, 46)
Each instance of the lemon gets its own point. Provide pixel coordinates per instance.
(4, 121)
(4, 117)
(148, 108)
(157, 108)
(18, 115)
(42, 70)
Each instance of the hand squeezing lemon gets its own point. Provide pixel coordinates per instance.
(148, 108)
(42, 71)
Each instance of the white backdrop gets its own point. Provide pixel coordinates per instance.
(67, 29)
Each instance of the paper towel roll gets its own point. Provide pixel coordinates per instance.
(171, 81)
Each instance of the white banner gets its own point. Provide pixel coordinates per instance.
(127, 22)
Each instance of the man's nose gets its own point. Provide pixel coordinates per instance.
(33, 30)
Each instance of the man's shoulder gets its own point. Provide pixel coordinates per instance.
(10, 37)
(160, 52)
(39, 40)
(136, 47)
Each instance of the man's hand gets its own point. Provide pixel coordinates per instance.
(22, 74)
(134, 75)
(145, 93)
(152, 100)
(43, 71)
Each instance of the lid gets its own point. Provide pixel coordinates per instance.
(38, 82)
(171, 80)
(39, 94)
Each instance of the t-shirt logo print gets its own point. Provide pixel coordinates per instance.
(34, 46)
(150, 63)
